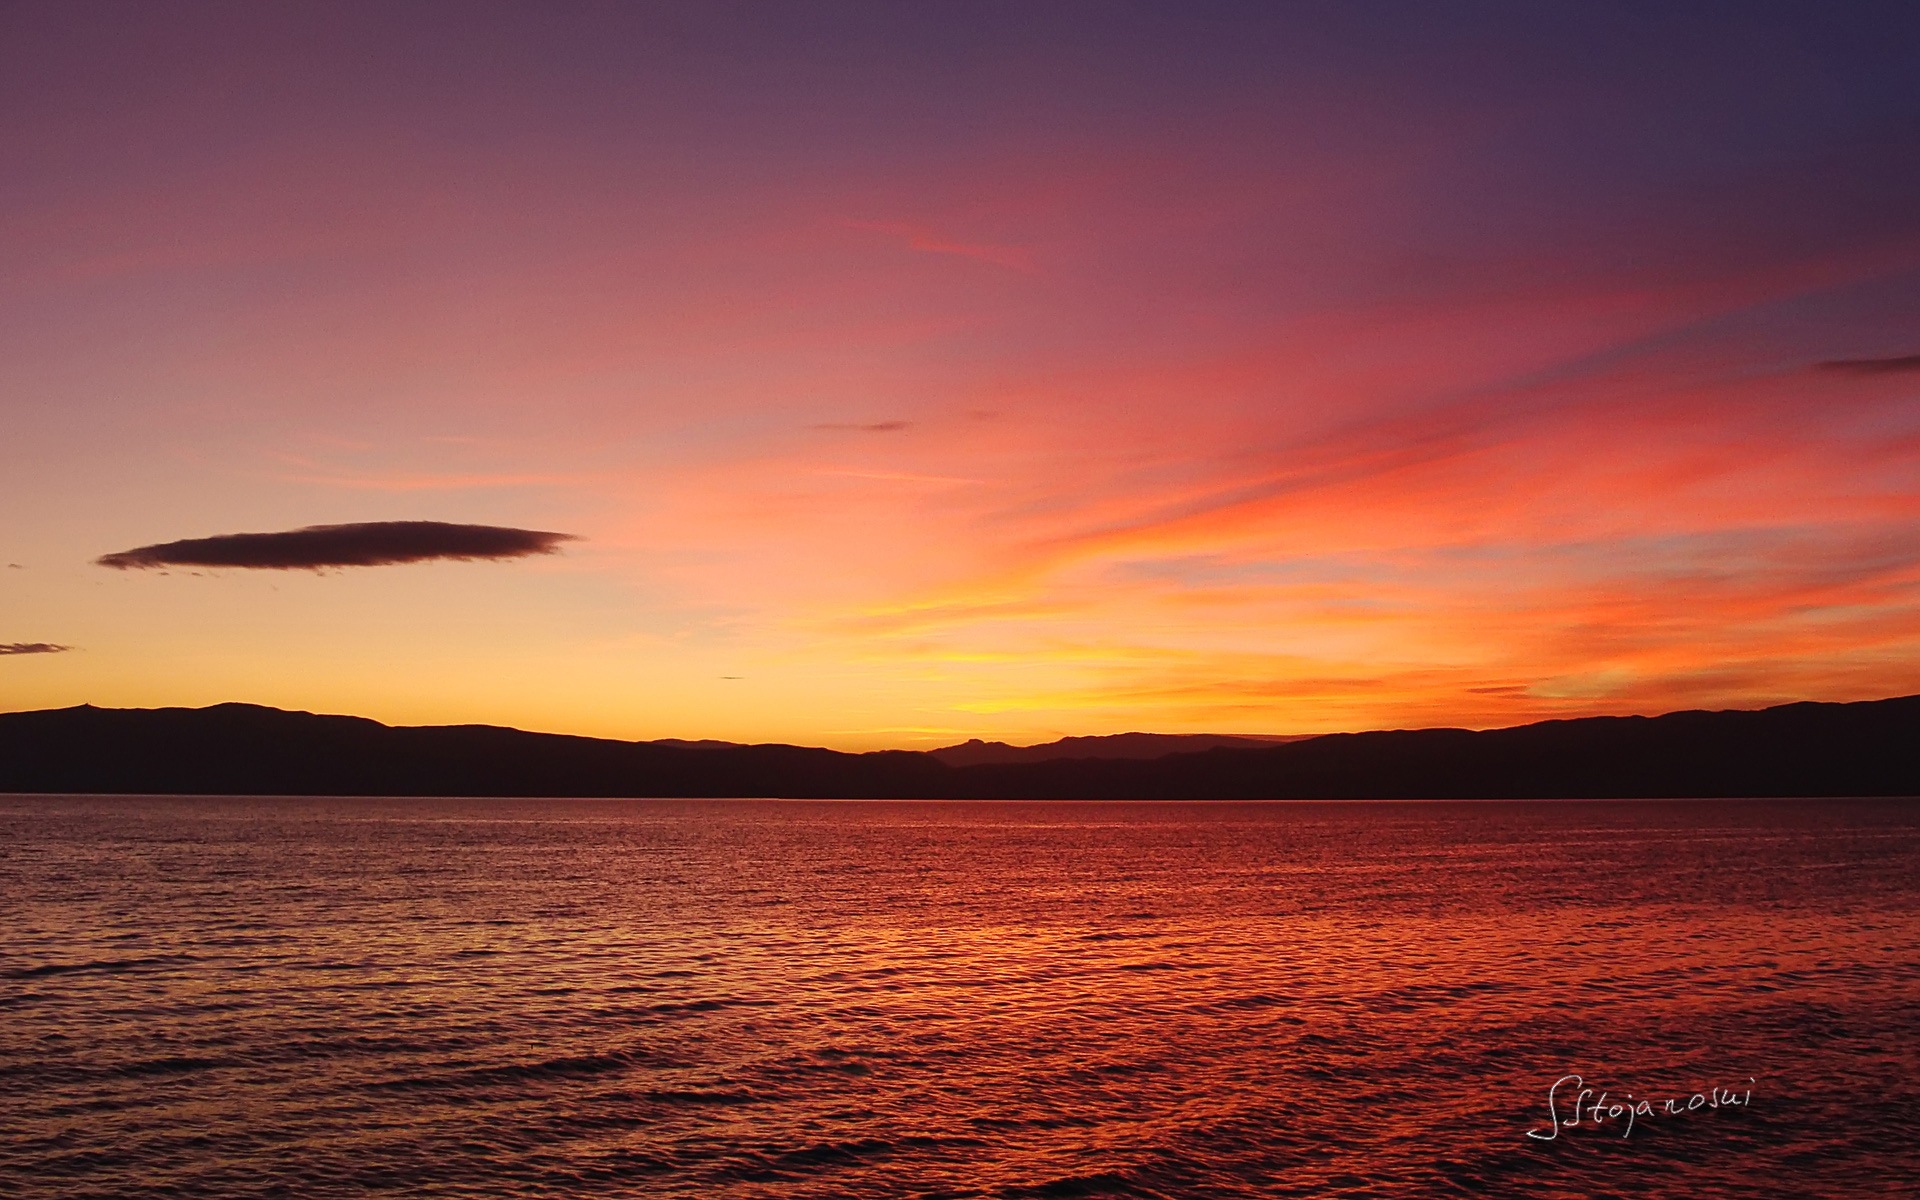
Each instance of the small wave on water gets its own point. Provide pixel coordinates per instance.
(511, 1073)
(286, 997)
(104, 966)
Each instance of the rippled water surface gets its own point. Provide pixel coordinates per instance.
(262, 997)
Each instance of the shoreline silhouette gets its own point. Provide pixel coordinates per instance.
(1866, 748)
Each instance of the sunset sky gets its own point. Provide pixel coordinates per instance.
(914, 372)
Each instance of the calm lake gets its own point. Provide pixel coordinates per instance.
(320, 997)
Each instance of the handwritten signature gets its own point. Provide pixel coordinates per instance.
(1599, 1111)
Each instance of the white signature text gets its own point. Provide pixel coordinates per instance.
(1571, 1104)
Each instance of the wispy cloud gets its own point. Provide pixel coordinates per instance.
(871, 427)
(32, 648)
(898, 476)
(367, 544)
(1905, 364)
(929, 242)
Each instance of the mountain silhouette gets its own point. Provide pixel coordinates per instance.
(1806, 749)
(1114, 745)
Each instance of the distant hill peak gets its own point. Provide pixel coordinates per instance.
(974, 752)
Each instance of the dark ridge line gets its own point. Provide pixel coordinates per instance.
(1869, 748)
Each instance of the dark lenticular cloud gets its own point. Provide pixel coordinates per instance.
(368, 544)
(32, 648)
(1874, 366)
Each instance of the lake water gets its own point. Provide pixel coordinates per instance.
(267, 997)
